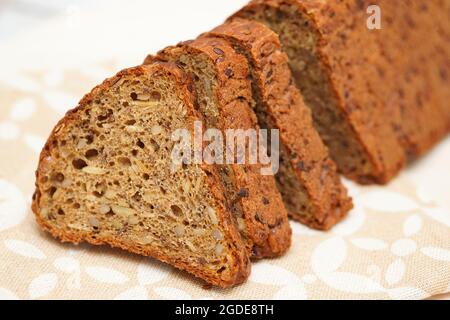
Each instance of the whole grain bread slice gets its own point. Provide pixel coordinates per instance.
(308, 179)
(221, 78)
(107, 176)
(331, 54)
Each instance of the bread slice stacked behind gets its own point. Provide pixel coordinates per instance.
(379, 97)
(222, 80)
(107, 176)
(308, 180)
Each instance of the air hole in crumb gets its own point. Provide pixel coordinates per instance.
(112, 164)
(134, 153)
(44, 179)
(155, 144)
(134, 96)
(61, 212)
(156, 96)
(90, 139)
(117, 183)
(130, 122)
(76, 206)
(145, 176)
(163, 190)
(106, 115)
(137, 197)
(99, 185)
(91, 153)
(79, 164)
(221, 270)
(125, 161)
(51, 191)
(97, 194)
(57, 177)
(140, 144)
(176, 210)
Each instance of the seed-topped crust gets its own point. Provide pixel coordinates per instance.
(262, 212)
(316, 197)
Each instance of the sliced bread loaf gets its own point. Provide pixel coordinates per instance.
(413, 70)
(107, 176)
(308, 181)
(379, 96)
(329, 48)
(221, 78)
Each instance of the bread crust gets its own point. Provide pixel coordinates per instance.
(240, 268)
(395, 119)
(266, 217)
(284, 106)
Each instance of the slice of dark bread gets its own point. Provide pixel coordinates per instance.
(324, 41)
(413, 70)
(221, 78)
(379, 96)
(308, 181)
(106, 176)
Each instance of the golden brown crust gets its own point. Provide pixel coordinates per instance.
(389, 84)
(283, 104)
(240, 269)
(263, 209)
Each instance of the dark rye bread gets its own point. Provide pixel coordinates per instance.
(413, 70)
(379, 97)
(106, 176)
(221, 78)
(324, 41)
(308, 180)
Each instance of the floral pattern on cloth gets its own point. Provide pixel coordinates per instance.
(395, 244)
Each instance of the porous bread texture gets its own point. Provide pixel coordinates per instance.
(379, 97)
(415, 41)
(347, 132)
(106, 176)
(308, 181)
(221, 78)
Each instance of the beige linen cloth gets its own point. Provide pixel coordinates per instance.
(394, 245)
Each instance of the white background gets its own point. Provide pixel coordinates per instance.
(101, 29)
